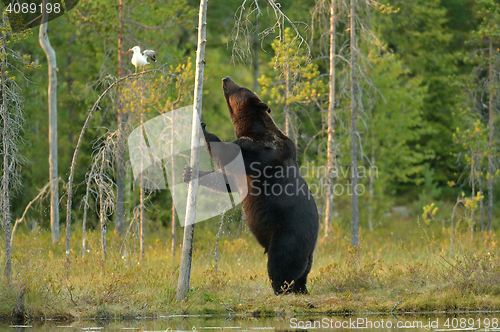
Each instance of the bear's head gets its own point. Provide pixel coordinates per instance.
(249, 114)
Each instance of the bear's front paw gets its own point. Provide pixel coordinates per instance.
(187, 176)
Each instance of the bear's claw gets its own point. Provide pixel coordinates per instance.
(187, 176)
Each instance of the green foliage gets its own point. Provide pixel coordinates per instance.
(419, 35)
(489, 13)
(291, 60)
(396, 122)
(429, 213)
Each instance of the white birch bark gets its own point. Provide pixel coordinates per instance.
(187, 244)
(43, 38)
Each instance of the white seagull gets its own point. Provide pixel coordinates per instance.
(140, 60)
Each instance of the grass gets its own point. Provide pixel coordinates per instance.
(403, 262)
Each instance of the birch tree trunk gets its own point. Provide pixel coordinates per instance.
(331, 157)
(52, 94)
(354, 132)
(490, 145)
(174, 221)
(187, 244)
(6, 170)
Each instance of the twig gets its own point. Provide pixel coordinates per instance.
(39, 196)
(395, 306)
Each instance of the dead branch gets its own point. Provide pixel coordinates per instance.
(78, 145)
(41, 195)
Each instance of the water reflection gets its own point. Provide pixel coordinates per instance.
(426, 322)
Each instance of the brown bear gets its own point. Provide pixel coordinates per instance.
(279, 208)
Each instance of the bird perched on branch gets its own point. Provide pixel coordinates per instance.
(140, 60)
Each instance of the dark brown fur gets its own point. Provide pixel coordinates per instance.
(285, 225)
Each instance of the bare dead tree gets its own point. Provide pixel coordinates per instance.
(359, 20)
(244, 29)
(354, 130)
(320, 19)
(106, 187)
(6, 181)
(52, 96)
(80, 139)
(88, 191)
(187, 243)
(101, 175)
(331, 155)
(11, 126)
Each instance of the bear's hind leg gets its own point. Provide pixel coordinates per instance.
(287, 263)
(300, 284)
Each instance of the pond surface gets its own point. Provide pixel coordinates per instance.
(422, 322)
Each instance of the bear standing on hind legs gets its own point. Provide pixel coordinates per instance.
(279, 208)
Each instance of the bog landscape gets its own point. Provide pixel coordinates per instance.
(309, 158)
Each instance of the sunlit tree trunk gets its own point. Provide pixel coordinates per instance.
(52, 95)
(187, 244)
(331, 156)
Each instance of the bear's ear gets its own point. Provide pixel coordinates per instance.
(264, 107)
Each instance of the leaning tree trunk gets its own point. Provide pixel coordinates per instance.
(6, 170)
(354, 133)
(490, 145)
(331, 124)
(52, 93)
(187, 244)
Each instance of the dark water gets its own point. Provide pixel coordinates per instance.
(424, 322)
